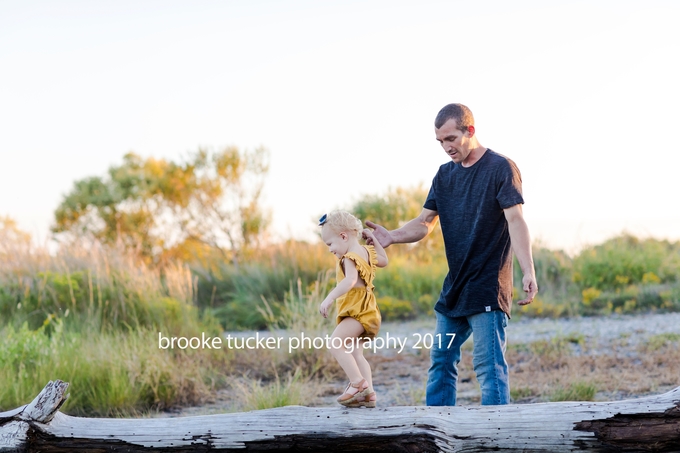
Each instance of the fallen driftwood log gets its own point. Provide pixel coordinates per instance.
(645, 424)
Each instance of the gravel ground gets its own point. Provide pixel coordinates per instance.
(601, 329)
(635, 328)
(400, 366)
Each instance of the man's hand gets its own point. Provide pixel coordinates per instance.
(379, 233)
(530, 287)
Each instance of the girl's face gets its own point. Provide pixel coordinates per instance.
(338, 243)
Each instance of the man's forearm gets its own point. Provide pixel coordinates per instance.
(412, 231)
(521, 244)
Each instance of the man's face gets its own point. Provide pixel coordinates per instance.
(455, 142)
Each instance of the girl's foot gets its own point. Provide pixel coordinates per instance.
(364, 401)
(354, 391)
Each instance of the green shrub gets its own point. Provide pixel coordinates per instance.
(231, 291)
(408, 279)
(554, 269)
(392, 309)
(626, 260)
(425, 305)
(631, 299)
(541, 309)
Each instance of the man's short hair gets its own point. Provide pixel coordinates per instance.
(458, 112)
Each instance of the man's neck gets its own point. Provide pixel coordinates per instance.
(474, 156)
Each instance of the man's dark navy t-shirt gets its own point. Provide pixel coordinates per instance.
(470, 203)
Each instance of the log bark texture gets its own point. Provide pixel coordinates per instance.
(650, 424)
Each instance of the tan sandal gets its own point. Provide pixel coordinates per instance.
(348, 398)
(367, 400)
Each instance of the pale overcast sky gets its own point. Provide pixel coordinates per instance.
(582, 95)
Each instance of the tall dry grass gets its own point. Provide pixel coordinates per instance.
(101, 287)
(91, 317)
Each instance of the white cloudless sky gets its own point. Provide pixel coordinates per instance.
(582, 95)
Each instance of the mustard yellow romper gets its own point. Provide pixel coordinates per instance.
(360, 303)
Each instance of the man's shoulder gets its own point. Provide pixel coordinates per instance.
(497, 162)
(500, 159)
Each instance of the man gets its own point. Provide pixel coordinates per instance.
(478, 199)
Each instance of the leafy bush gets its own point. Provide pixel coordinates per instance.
(408, 279)
(392, 309)
(541, 309)
(626, 260)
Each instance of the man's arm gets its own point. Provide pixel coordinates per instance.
(413, 231)
(521, 245)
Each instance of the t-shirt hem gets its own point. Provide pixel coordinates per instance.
(461, 314)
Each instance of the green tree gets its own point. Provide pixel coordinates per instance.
(162, 208)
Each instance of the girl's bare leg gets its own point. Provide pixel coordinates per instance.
(348, 330)
(365, 369)
(362, 363)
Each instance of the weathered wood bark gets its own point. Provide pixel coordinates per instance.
(645, 424)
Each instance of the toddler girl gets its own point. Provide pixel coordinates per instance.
(358, 316)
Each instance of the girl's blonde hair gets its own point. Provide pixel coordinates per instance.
(341, 221)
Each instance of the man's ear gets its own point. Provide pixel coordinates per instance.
(471, 131)
(344, 236)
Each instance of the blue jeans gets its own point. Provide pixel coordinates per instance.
(488, 358)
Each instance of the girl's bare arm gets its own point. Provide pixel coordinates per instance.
(379, 250)
(343, 286)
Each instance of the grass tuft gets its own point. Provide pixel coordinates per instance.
(662, 340)
(295, 390)
(576, 391)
